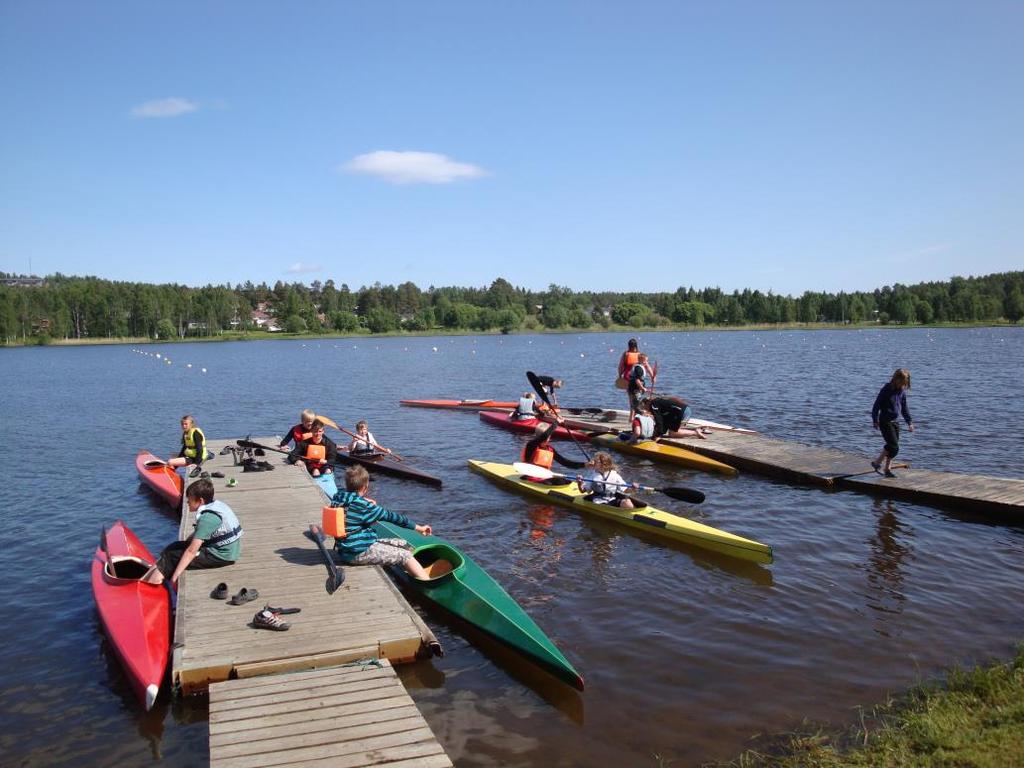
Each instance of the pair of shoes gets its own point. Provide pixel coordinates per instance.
(877, 466)
(281, 611)
(232, 482)
(889, 473)
(220, 592)
(267, 620)
(243, 596)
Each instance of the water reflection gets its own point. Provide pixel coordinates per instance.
(890, 546)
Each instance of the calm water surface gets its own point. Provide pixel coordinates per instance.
(686, 654)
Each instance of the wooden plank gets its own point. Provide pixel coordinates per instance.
(354, 716)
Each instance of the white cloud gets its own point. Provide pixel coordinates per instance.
(300, 267)
(169, 107)
(412, 167)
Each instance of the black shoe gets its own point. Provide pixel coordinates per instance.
(220, 592)
(889, 473)
(877, 466)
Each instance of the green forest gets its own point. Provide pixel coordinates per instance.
(58, 307)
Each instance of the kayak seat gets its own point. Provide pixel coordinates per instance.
(438, 560)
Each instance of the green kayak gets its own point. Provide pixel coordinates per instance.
(464, 589)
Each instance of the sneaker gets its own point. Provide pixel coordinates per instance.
(267, 620)
(889, 473)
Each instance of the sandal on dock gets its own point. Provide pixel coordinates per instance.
(220, 592)
(243, 596)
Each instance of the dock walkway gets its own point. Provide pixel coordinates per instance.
(349, 716)
(833, 468)
(213, 641)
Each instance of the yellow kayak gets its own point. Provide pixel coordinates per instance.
(643, 516)
(668, 454)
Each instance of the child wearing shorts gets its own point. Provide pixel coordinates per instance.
(361, 545)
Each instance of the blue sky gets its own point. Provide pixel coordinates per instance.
(784, 146)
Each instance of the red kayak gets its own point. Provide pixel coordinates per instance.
(465, 405)
(161, 478)
(135, 616)
(506, 421)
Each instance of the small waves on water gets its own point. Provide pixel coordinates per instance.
(686, 653)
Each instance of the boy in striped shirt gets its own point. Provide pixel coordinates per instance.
(361, 546)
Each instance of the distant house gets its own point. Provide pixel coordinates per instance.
(23, 282)
(262, 320)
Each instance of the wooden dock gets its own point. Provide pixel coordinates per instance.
(833, 468)
(354, 715)
(260, 681)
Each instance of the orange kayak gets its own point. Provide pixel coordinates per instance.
(157, 475)
(464, 405)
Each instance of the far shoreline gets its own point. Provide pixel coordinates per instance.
(440, 332)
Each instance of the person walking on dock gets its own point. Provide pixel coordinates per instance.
(361, 545)
(215, 542)
(890, 404)
(629, 358)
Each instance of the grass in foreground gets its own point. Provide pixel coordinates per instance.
(975, 719)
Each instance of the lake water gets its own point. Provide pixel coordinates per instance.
(686, 654)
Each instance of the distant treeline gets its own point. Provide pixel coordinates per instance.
(61, 307)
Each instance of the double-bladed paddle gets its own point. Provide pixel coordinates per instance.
(334, 425)
(542, 391)
(335, 575)
(676, 492)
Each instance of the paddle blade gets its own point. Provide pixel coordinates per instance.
(328, 422)
(685, 494)
(532, 470)
(535, 383)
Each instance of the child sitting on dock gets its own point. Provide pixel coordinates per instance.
(215, 542)
(301, 431)
(193, 446)
(361, 545)
(318, 454)
(605, 484)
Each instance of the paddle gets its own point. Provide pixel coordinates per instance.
(676, 492)
(381, 448)
(335, 576)
(535, 383)
(105, 549)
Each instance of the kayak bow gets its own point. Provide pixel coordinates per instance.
(155, 473)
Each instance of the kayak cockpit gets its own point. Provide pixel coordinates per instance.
(438, 560)
(126, 568)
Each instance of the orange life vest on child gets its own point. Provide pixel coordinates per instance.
(316, 452)
(542, 457)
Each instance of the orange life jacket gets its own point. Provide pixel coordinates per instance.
(627, 362)
(316, 452)
(542, 457)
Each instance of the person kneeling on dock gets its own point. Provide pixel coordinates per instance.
(361, 545)
(319, 453)
(215, 542)
(670, 415)
(604, 484)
